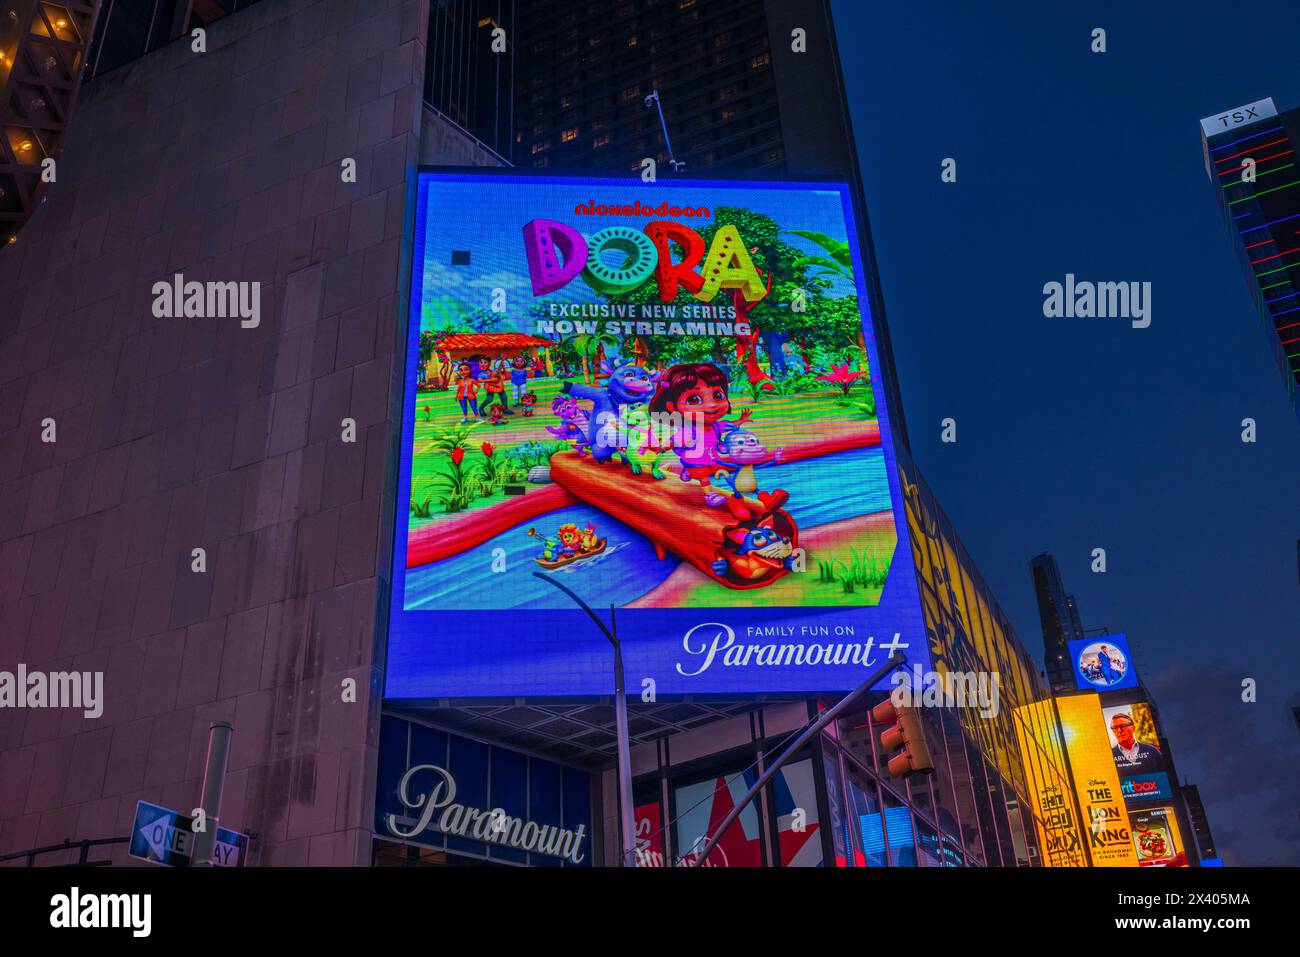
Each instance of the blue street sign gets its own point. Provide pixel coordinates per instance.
(163, 836)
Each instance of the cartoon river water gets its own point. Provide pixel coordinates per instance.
(827, 489)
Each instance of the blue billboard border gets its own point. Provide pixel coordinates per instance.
(1119, 639)
(902, 568)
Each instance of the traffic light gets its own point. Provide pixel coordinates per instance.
(903, 734)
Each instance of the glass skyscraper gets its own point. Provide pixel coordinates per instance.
(1250, 159)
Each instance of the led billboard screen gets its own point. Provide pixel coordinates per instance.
(665, 397)
(1134, 740)
(1146, 787)
(1103, 663)
(1157, 839)
(1052, 806)
(1096, 782)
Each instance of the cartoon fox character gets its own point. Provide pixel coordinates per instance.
(761, 546)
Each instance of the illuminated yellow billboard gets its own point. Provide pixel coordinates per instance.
(1096, 782)
(1051, 803)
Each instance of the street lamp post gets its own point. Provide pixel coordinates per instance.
(896, 660)
(620, 722)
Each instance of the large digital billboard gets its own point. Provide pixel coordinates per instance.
(1157, 839)
(664, 396)
(1134, 739)
(1103, 664)
(1052, 806)
(1146, 787)
(1096, 782)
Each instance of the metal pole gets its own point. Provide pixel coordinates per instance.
(626, 813)
(654, 95)
(896, 661)
(628, 825)
(214, 778)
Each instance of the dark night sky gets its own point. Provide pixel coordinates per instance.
(1083, 433)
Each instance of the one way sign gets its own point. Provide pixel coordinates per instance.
(163, 836)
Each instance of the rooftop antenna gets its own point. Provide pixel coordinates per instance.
(672, 160)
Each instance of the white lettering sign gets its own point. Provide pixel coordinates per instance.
(1241, 116)
(494, 826)
(715, 643)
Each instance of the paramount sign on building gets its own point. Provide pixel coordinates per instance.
(435, 802)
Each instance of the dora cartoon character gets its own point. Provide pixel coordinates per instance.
(466, 391)
(697, 392)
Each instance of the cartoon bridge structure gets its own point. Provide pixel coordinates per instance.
(668, 512)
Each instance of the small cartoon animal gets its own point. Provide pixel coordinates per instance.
(756, 553)
(571, 537)
(762, 547)
(589, 539)
(629, 384)
(739, 453)
(573, 423)
(638, 452)
(550, 545)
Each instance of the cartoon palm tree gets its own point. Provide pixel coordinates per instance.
(838, 262)
(591, 346)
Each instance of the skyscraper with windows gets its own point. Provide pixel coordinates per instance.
(743, 86)
(1199, 822)
(469, 73)
(1250, 158)
(1059, 614)
(224, 440)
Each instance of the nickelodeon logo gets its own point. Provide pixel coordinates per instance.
(636, 209)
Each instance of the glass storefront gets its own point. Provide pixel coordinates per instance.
(445, 799)
(827, 807)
